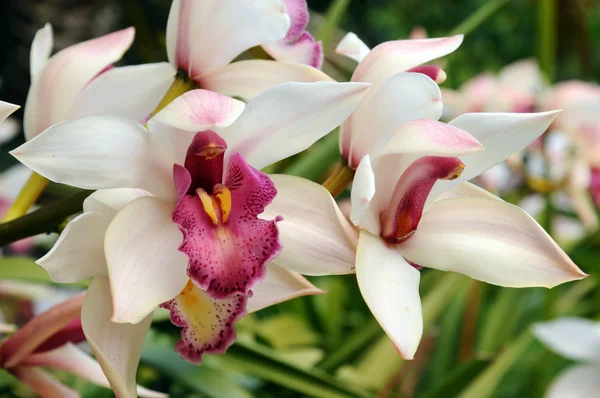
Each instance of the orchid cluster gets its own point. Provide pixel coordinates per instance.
(183, 218)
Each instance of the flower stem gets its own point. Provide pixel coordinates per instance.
(181, 85)
(29, 193)
(337, 181)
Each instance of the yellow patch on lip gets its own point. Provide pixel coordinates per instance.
(454, 174)
(208, 203)
(223, 195)
(216, 205)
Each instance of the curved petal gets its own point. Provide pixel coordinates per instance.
(71, 359)
(279, 285)
(469, 190)
(97, 152)
(203, 35)
(390, 287)
(249, 78)
(7, 109)
(41, 48)
(401, 98)
(128, 91)
(21, 344)
(316, 238)
(576, 382)
(44, 384)
(501, 134)
(9, 128)
(305, 113)
(144, 266)
(305, 50)
(200, 110)
(352, 47)
(574, 338)
(117, 347)
(108, 202)
(363, 191)
(208, 324)
(489, 240)
(54, 91)
(392, 57)
(79, 251)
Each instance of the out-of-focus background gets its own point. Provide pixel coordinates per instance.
(477, 341)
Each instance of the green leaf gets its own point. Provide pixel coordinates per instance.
(330, 25)
(501, 321)
(453, 382)
(276, 330)
(25, 269)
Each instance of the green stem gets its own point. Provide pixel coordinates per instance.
(181, 85)
(44, 220)
(329, 27)
(547, 37)
(474, 20)
(339, 180)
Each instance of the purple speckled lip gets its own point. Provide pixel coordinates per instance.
(228, 246)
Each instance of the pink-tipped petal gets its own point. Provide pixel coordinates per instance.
(390, 287)
(41, 48)
(117, 346)
(21, 344)
(393, 57)
(207, 323)
(403, 213)
(297, 10)
(489, 240)
(227, 245)
(247, 79)
(278, 286)
(316, 238)
(53, 92)
(144, 266)
(402, 98)
(352, 47)
(200, 110)
(129, 91)
(43, 384)
(305, 50)
(435, 73)
(71, 333)
(203, 35)
(305, 113)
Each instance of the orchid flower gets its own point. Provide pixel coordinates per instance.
(80, 80)
(577, 339)
(514, 89)
(203, 37)
(400, 83)
(298, 45)
(48, 340)
(194, 171)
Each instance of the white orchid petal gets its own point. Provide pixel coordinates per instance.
(97, 152)
(128, 91)
(488, 240)
(574, 338)
(278, 286)
(288, 118)
(363, 191)
(352, 47)
(390, 287)
(576, 382)
(203, 35)
(79, 251)
(316, 238)
(247, 79)
(117, 347)
(145, 266)
(41, 48)
(7, 109)
(108, 202)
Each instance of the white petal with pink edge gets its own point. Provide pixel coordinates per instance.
(96, 152)
(145, 266)
(204, 35)
(128, 91)
(278, 286)
(489, 240)
(390, 287)
(41, 48)
(305, 113)
(200, 110)
(316, 238)
(53, 93)
(393, 57)
(574, 338)
(401, 98)
(117, 347)
(79, 251)
(247, 79)
(305, 50)
(352, 47)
